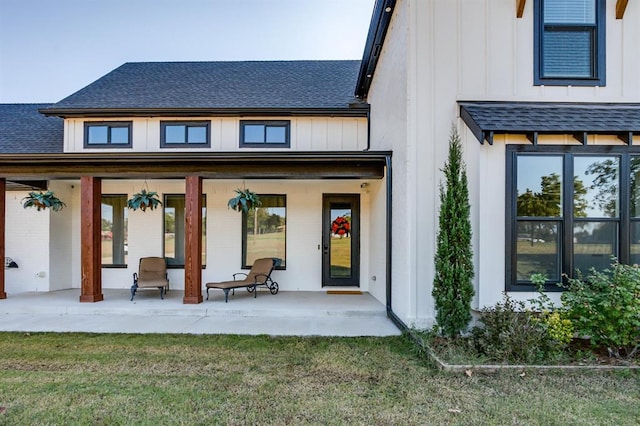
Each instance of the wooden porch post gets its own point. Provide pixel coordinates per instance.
(193, 241)
(91, 241)
(3, 198)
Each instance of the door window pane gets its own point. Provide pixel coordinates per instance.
(634, 179)
(593, 244)
(340, 242)
(635, 243)
(114, 230)
(596, 186)
(538, 250)
(265, 230)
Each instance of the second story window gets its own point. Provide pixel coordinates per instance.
(113, 134)
(263, 134)
(569, 42)
(184, 134)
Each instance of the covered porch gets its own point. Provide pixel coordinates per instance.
(288, 313)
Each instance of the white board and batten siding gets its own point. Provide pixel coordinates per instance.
(306, 134)
(439, 52)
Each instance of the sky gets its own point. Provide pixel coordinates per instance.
(49, 49)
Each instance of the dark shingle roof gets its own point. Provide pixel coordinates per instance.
(23, 130)
(288, 85)
(484, 118)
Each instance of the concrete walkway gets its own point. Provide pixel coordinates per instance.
(284, 314)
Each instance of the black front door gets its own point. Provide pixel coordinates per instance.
(341, 240)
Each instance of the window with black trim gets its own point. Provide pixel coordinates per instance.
(174, 232)
(570, 209)
(264, 231)
(114, 230)
(262, 134)
(112, 134)
(174, 134)
(569, 42)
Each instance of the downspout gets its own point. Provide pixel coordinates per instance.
(392, 316)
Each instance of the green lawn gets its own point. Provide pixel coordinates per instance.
(180, 379)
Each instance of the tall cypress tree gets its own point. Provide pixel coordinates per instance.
(452, 285)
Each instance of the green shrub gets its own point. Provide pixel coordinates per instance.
(512, 333)
(605, 306)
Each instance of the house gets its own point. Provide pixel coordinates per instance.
(291, 131)
(545, 95)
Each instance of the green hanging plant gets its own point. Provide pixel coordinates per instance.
(244, 201)
(42, 201)
(144, 200)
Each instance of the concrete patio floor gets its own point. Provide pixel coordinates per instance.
(284, 314)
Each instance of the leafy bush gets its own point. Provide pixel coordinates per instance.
(512, 333)
(605, 306)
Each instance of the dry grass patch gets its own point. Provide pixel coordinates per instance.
(184, 379)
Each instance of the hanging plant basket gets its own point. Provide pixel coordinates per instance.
(42, 201)
(244, 201)
(144, 200)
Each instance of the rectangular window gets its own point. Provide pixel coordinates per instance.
(264, 231)
(114, 230)
(569, 42)
(262, 134)
(560, 225)
(175, 134)
(174, 232)
(107, 134)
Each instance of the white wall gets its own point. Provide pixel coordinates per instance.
(436, 53)
(27, 243)
(306, 134)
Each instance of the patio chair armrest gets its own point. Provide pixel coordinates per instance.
(259, 279)
(238, 273)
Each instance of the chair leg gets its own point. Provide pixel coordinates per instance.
(133, 291)
(161, 292)
(207, 293)
(255, 291)
(226, 295)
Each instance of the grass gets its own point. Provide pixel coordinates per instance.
(185, 379)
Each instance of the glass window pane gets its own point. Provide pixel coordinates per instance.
(174, 134)
(567, 54)
(635, 243)
(570, 11)
(538, 250)
(593, 245)
(596, 186)
(97, 134)
(114, 230)
(253, 133)
(266, 230)
(539, 183)
(174, 232)
(635, 186)
(276, 134)
(197, 134)
(120, 135)
(340, 244)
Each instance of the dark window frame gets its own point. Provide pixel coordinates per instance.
(598, 51)
(164, 205)
(567, 221)
(286, 124)
(186, 143)
(244, 236)
(117, 265)
(110, 125)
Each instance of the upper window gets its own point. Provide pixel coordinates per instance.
(264, 231)
(107, 134)
(569, 42)
(260, 134)
(114, 230)
(184, 134)
(571, 209)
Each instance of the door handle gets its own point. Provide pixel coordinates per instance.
(326, 249)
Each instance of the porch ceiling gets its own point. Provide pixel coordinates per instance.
(167, 165)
